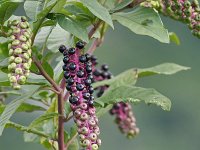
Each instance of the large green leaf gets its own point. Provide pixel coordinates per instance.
(125, 78)
(98, 10)
(121, 5)
(73, 26)
(144, 21)
(7, 8)
(14, 105)
(165, 68)
(135, 95)
(33, 8)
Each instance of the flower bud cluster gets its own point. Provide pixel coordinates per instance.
(78, 74)
(183, 10)
(125, 118)
(19, 51)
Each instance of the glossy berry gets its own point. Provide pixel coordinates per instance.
(88, 56)
(79, 86)
(86, 95)
(88, 68)
(68, 87)
(104, 67)
(65, 67)
(73, 99)
(62, 48)
(66, 59)
(66, 74)
(71, 51)
(70, 81)
(82, 59)
(80, 73)
(72, 66)
(91, 90)
(80, 45)
(88, 82)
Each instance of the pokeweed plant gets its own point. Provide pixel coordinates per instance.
(33, 46)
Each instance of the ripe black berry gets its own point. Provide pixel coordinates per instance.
(66, 75)
(91, 103)
(65, 53)
(88, 56)
(97, 72)
(79, 86)
(70, 81)
(65, 67)
(93, 58)
(72, 66)
(91, 90)
(88, 82)
(104, 67)
(82, 59)
(88, 68)
(71, 51)
(80, 45)
(68, 87)
(80, 73)
(73, 99)
(62, 48)
(66, 59)
(86, 95)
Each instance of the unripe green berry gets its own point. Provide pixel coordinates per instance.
(22, 38)
(12, 37)
(84, 130)
(187, 4)
(26, 56)
(15, 42)
(26, 34)
(23, 25)
(13, 79)
(26, 66)
(81, 136)
(85, 143)
(11, 59)
(95, 147)
(16, 87)
(84, 116)
(16, 30)
(18, 60)
(9, 32)
(11, 52)
(12, 66)
(25, 47)
(18, 51)
(22, 79)
(19, 71)
(9, 46)
(23, 18)
(197, 17)
(15, 22)
(29, 52)
(27, 73)
(30, 62)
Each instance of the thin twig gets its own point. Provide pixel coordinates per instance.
(70, 141)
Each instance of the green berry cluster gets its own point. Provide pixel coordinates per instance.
(182, 10)
(19, 52)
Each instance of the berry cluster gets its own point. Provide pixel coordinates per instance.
(19, 51)
(183, 10)
(124, 116)
(78, 74)
(125, 119)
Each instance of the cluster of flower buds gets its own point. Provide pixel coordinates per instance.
(183, 10)
(125, 119)
(19, 51)
(78, 74)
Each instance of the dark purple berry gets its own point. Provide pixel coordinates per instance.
(62, 48)
(91, 103)
(68, 87)
(82, 59)
(72, 51)
(88, 82)
(97, 72)
(79, 86)
(66, 75)
(91, 90)
(91, 97)
(105, 75)
(65, 53)
(104, 67)
(93, 58)
(73, 99)
(88, 56)
(86, 95)
(80, 73)
(66, 59)
(65, 67)
(70, 81)
(88, 69)
(72, 66)
(80, 45)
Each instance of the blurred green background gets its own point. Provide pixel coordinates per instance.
(174, 130)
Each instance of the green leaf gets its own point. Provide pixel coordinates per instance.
(33, 8)
(121, 5)
(135, 95)
(125, 78)
(14, 105)
(98, 10)
(36, 79)
(24, 107)
(42, 118)
(165, 68)
(73, 26)
(74, 145)
(102, 111)
(7, 8)
(4, 79)
(174, 38)
(143, 21)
